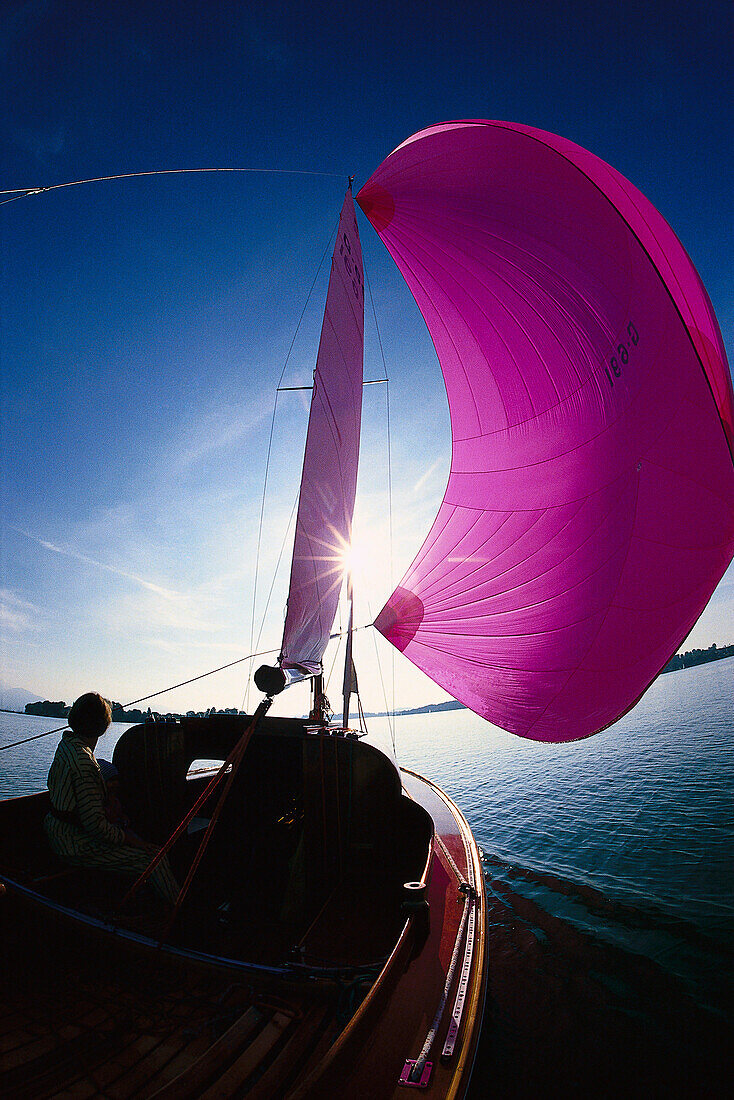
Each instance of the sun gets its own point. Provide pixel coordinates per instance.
(353, 558)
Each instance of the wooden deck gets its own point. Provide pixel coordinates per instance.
(65, 1033)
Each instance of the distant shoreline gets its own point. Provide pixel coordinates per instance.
(47, 709)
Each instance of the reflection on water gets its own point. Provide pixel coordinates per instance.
(642, 812)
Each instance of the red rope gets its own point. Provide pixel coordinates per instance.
(338, 806)
(209, 789)
(323, 799)
(237, 760)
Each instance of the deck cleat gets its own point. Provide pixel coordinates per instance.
(406, 1077)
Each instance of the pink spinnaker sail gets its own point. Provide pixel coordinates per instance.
(589, 511)
(329, 479)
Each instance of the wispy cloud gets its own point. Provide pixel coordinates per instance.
(183, 616)
(69, 552)
(16, 614)
(427, 475)
(182, 648)
(218, 430)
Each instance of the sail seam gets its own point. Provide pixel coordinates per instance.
(419, 271)
(601, 624)
(654, 266)
(431, 623)
(449, 336)
(580, 503)
(457, 262)
(416, 231)
(437, 565)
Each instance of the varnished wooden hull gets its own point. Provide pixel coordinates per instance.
(91, 1010)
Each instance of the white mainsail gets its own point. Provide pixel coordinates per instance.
(329, 478)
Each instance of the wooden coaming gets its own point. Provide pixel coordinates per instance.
(392, 1023)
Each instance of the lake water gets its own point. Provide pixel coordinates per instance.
(609, 865)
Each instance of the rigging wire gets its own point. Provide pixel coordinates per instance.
(145, 698)
(25, 192)
(330, 673)
(283, 545)
(393, 723)
(268, 455)
(163, 691)
(22, 195)
(366, 382)
(390, 710)
(246, 695)
(17, 193)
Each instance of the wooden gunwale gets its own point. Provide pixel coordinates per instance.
(471, 1024)
(343, 1068)
(363, 1017)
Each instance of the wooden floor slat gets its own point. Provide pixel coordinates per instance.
(15, 1040)
(277, 1075)
(146, 1058)
(63, 1038)
(194, 1049)
(105, 1071)
(189, 1084)
(50, 1074)
(226, 1085)
(82, 1090)
(31, 1057)
(146, 1041)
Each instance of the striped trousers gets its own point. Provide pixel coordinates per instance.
(82, 850)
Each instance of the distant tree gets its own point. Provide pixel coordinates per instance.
(48, 709)
(698, 657)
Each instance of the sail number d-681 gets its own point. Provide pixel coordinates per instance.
(621, 357)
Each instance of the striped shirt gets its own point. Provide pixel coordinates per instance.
(76, 786)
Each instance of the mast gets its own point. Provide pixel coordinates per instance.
(350, 675)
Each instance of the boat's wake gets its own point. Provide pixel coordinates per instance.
(589, 995)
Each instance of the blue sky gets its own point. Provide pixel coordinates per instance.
(145, 323)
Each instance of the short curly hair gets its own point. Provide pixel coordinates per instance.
(90, 715)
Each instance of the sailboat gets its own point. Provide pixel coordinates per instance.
(333, 938)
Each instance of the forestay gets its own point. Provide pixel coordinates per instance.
(589, 511)
(329, 479)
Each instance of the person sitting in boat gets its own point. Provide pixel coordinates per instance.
(77, 827)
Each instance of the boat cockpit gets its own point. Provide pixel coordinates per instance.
(306, 863)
